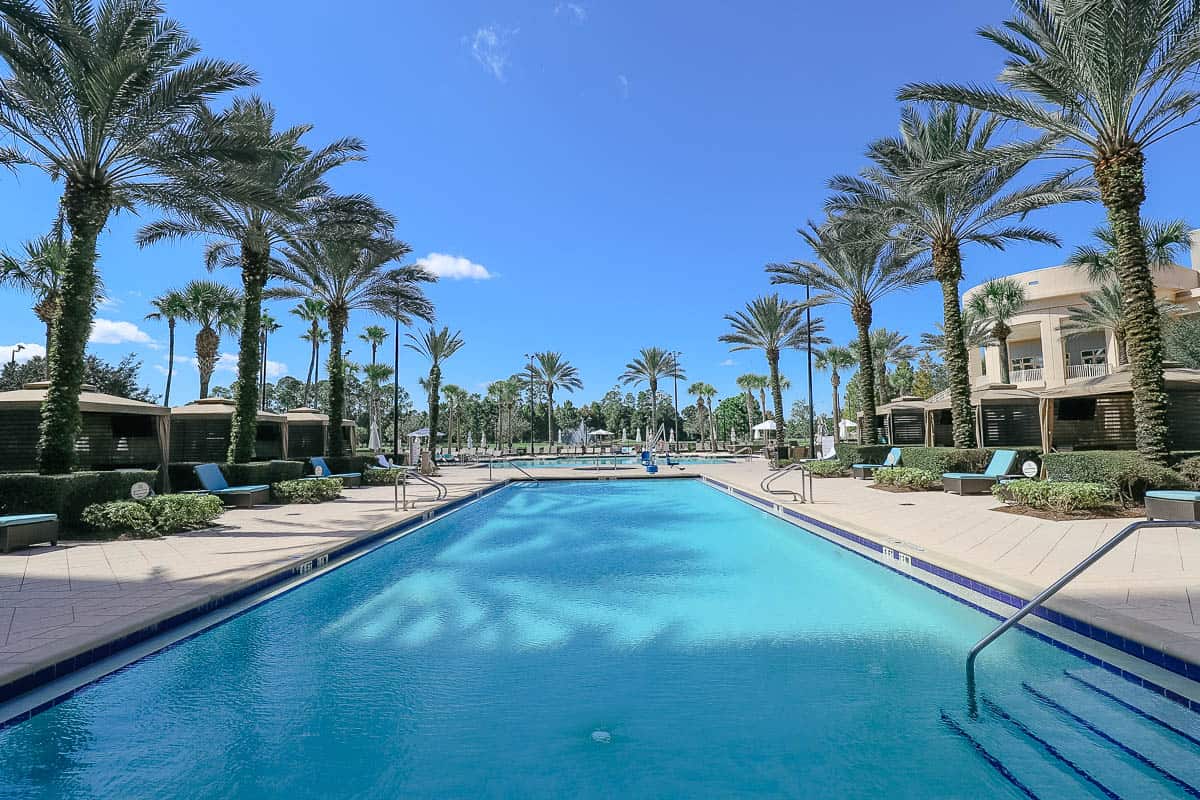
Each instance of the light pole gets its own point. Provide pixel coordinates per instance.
(675, 354)
(396, 385)
(812, 414)
(529, 367)
(16, 350)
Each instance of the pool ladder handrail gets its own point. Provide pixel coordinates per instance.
(402, 476)
(1054, 588)
(518, 468)
(803, 496)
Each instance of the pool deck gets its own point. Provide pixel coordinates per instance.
(57, 602)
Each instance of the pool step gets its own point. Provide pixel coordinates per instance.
(1154, 707)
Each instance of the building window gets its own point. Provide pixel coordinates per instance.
(1091, 357)
(1025, 362)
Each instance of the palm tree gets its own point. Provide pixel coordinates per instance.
(887, 347)
(215, 307)
(455, 397)
(939, 213)
(835, 359)
(652, 364)
(855, 266)
(281, 197)
(1103, 81)
(973, 329)
(39, 271)
(1162, 240)
(995, 304)
(98, 96)
(749, 384)
(375, 336)
(554, 372)
(348, 274)
(314, 312)
(772, 324)
(172, 307)
(1105, 309)
(704, 393)
(376, 375)
(267, 325)
(437, 346)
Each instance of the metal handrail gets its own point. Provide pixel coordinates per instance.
(442, 491)
(771, 477)
(396, 504)
(518, 468)
(1053, 589)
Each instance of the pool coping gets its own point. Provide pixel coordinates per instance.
(882, 553)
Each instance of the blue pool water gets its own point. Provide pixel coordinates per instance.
(614, 639)
(606, 461)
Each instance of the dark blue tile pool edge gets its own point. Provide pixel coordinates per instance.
(1131, 647)
(66, 666)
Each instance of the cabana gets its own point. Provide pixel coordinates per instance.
(903, 421)
(1006, 416)
(1097, 413)
(116, 432)
(308, 434)
(200, 432)
(939, 423)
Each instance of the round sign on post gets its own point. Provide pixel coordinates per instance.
(140, 490)
(318, 471)
(1030, 469)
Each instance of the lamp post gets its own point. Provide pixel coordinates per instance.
(16, 350)
(675, 354)
(812, 414)
(529, 367)
(396, 384)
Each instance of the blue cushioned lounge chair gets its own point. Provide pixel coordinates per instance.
(867, 470)
(22, 530)
(351, 480)
(999, 467)
(240, 496)
(1173, 505)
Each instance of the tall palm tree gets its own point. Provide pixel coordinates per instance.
(1105, 309)
(704, 393)
(651, 364)
(1163, 242)
(99, 95)
(281, 193)
(888, 347)
(266, 325)
(455, 397)
(554, 372)
(347, 274)
(216, 308)
(40, 271)
(835, 359)
(172, 307)
(856, 266)
(772, 324)
(375, 336)
(996, 303)
(437, 346)
(939, 213)
(376, 375)
(1103, 81)
(314, 312)
(749, 384)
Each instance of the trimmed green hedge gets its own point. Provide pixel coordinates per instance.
(934, 459)
(312, 490)
(341, 464)
(67, 495)
(828, 469)
(1123, 470)
(912, 478)
(154, 516)
(849, 454)
(1189, 469)
(183, 478)
(1061, 497)
(380, 477)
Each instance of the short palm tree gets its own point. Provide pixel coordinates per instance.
(39, 271)
(554, 372)
(856, 266)
(280, 194)
(455, 397)
(973, 330)
(376, 375)
(1163, 242)
(1104, 309)
(888, 347)
(1103, 81)
(99, 96)
(216, 308)
(704, 393)
(348, 274)
(314, 312)
(772, 324)
(267, 325)
(375, 336)
(835, 359)
(437, 346)
(172, 307)
(938, 213)
(995, 304)
(652, 364)
(749, 384)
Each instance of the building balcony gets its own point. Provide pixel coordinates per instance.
(1086, 371)
(1030, 375)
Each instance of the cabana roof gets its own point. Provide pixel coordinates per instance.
(32, 395)
(907, 401)
(220, 407)
(1120, 382)
(305, 414)
(991, 393)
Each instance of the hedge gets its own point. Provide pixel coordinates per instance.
(934, 459)
(183, 477)
(168, 513)
(1189, 469)
(380, 477)
(828, 469)
(1051, 496)
(311, 490)
(341, 464)
(67, 495)
(850, 454)
(912, 478)
(1123, 470)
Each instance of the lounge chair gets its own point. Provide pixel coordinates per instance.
(351, 480)
(1173, 505)
(867, 470)
(23, 530)
(239, 496)
(999, 467)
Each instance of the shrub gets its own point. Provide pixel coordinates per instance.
(183, 477)
(313, 490)
(944, 459)
(380, 477)
(1062, 497)
(849, 454)
(911, 478)
(154, 516)
(827, 469)
(1189, 470)
(1123, 470)
(342, 464)
(67, 495)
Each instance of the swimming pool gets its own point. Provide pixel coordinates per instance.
(606, 461)
(619, 638)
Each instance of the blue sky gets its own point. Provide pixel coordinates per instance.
(622, 171)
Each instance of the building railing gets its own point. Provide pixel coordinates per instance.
(1031, 375)
(1086, 371)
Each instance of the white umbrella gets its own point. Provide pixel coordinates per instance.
(375, 442)
(623, 436)
(470, 440)
(483, 440)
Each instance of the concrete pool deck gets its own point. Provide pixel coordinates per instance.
(57, 602)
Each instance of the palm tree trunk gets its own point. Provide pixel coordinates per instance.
(86, 208)
(653, 406)
(776, 392)
(947, 266)
(762, 402)
(170, 361)
(256, 265)
(836, 381)
(207, 345)
(1001, 333)
(46, 360)
(338, 320)
(866, 368)
(550, 414)
(749, 412)
(435, 380)
(1123, 190)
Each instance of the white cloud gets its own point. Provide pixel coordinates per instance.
(276, 369)
(574, 11)
(490, 46)
(455, 268)
(28, 351)
(107, 331)
(623, 87)
(227, 362)
(729, 362)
